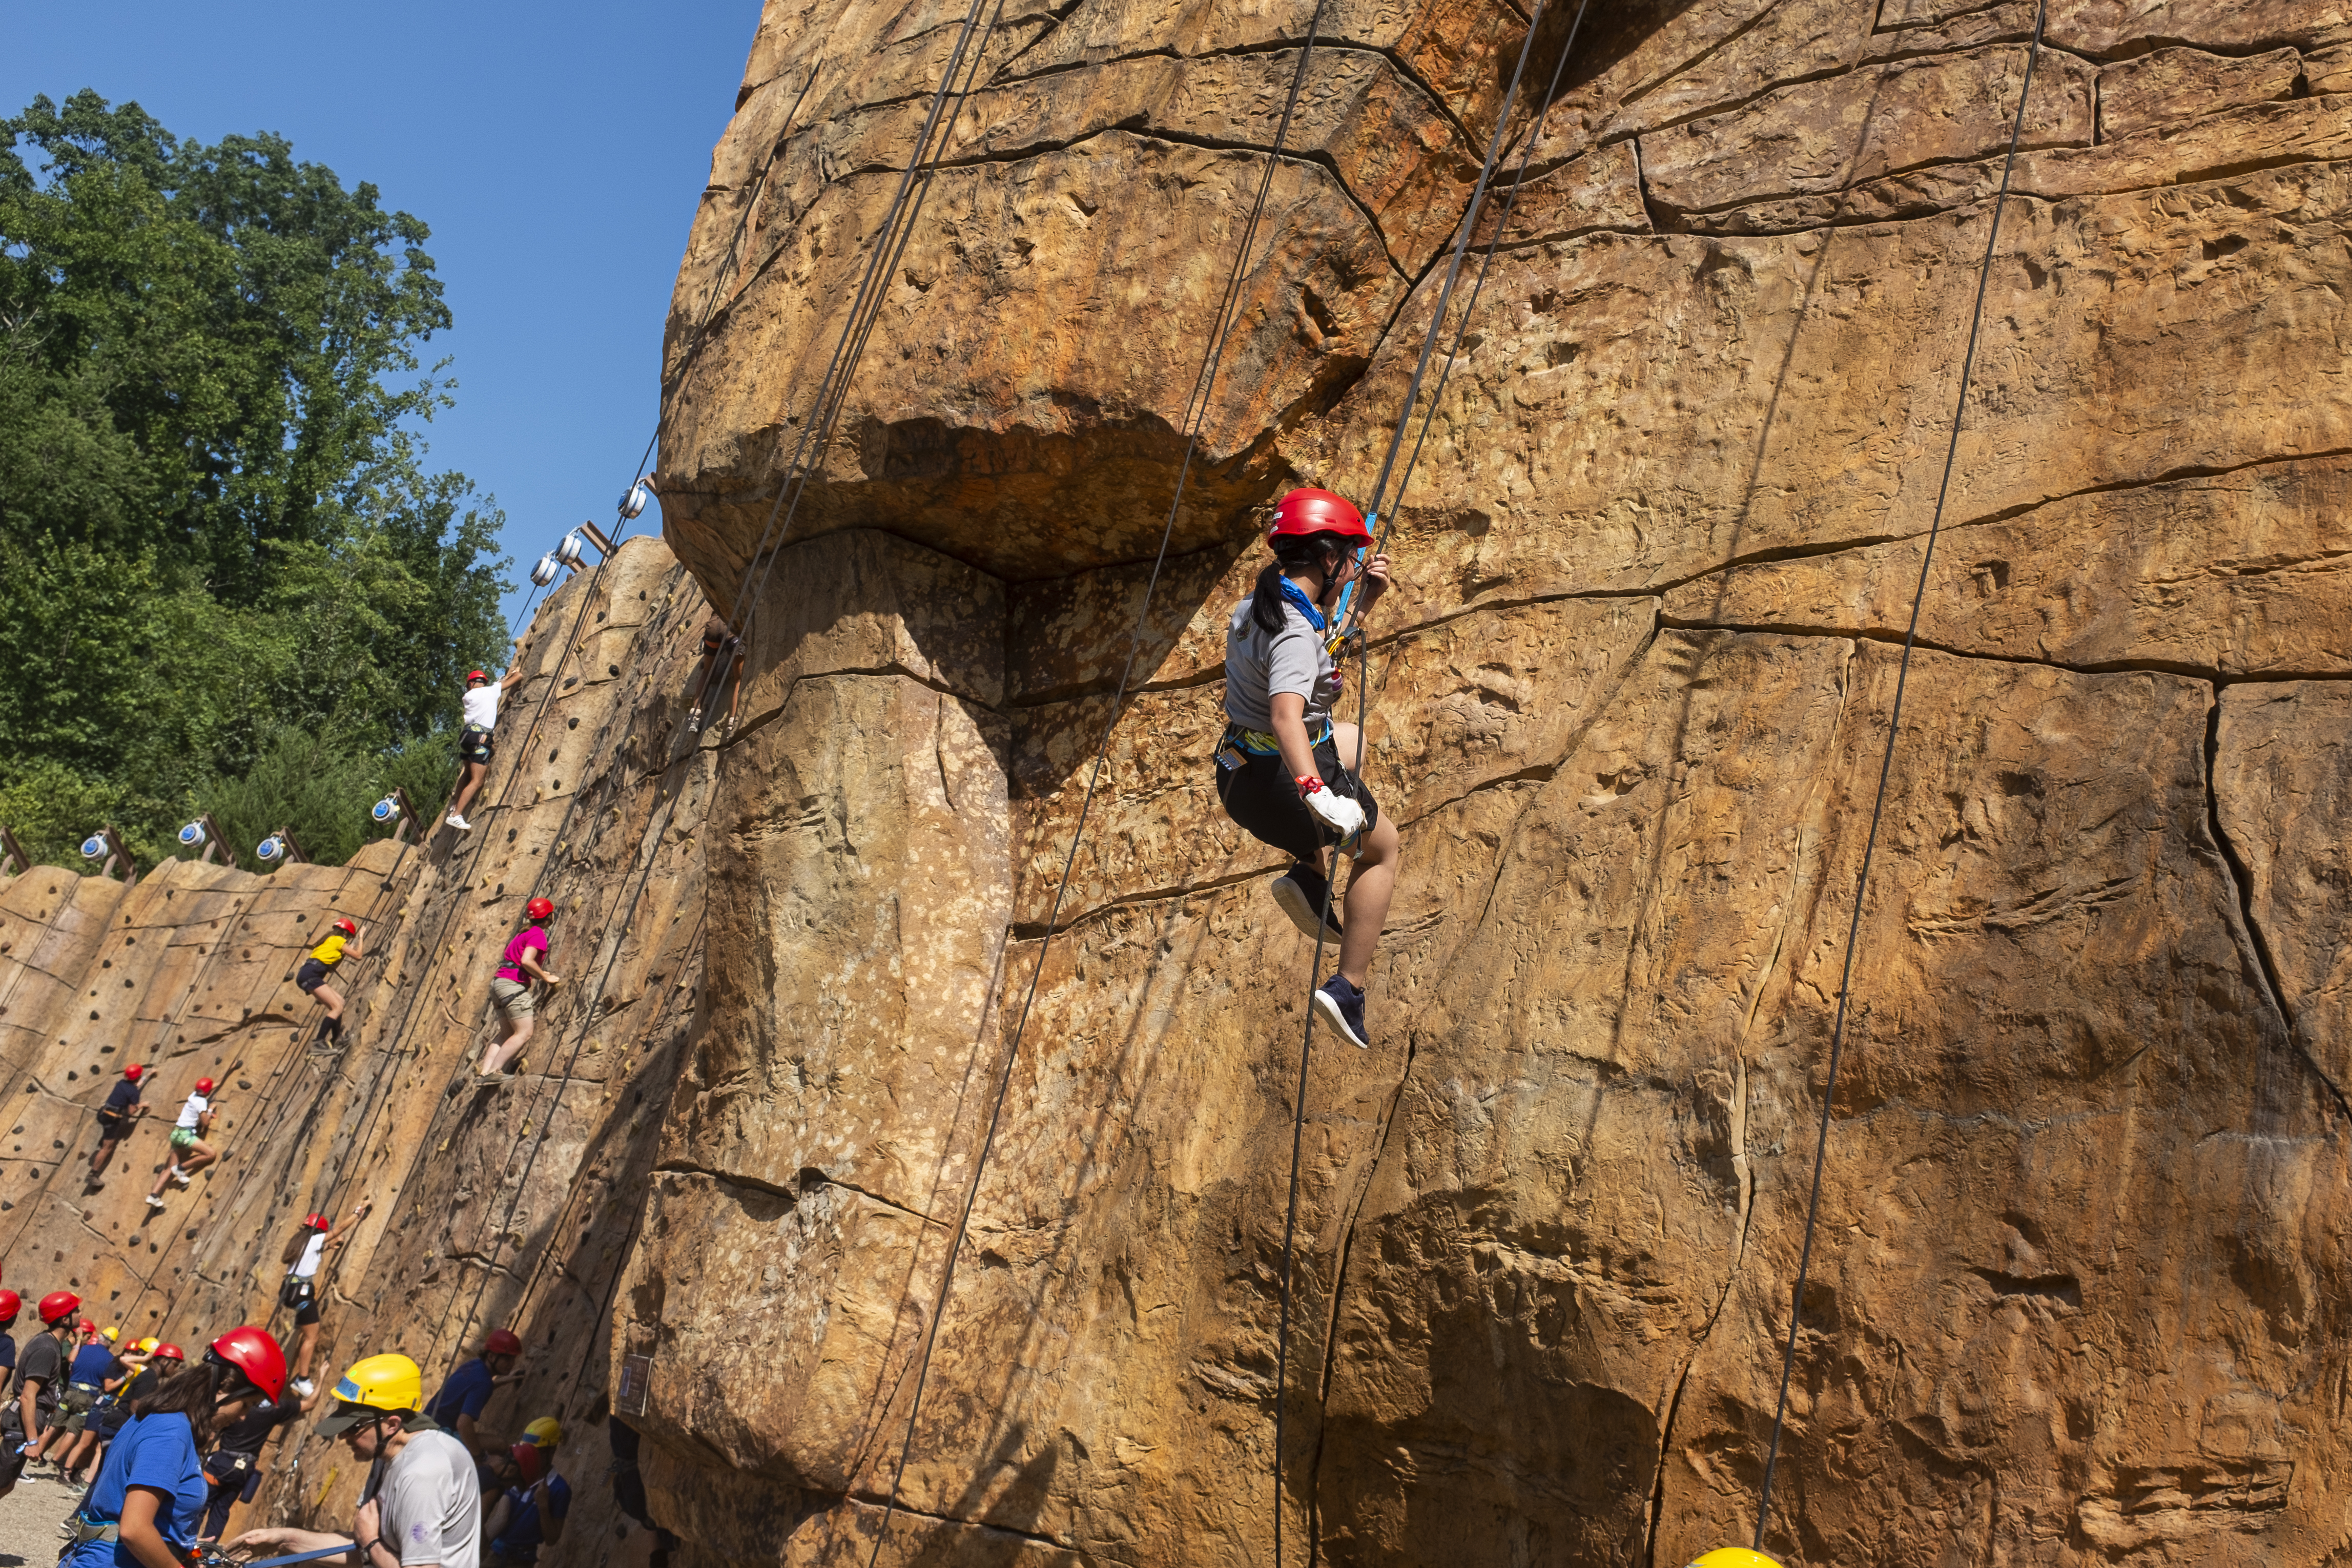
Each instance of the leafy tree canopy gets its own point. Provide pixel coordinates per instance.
(230, 579)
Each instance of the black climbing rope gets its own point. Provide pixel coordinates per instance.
(1363, 661)
(1878, 801)
(1197, 404)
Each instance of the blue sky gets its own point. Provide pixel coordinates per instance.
(557, 152)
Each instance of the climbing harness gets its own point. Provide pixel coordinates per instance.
(1878, 800)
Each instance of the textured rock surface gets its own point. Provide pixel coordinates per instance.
(2067, 1301)
(190, 972)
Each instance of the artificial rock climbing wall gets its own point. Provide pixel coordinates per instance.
(508, 1206)
(2081, 1250)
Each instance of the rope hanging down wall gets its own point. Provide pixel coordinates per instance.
(1363, 658)
(1878, 801)
(1198, 401)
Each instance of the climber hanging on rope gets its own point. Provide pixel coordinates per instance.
(1280, 773)
(721, 662)
(342, 941)
(476, 741)
(510, 988)
(305, 1251)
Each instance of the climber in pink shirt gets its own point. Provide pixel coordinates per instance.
(510, 988)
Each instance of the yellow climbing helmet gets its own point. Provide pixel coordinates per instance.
(380, 1386)
(146, 1346)
(112, 1333)
(546, 1432)
(1733, 1557)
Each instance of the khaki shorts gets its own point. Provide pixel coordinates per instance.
(513, 997)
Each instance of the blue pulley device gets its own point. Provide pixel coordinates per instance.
(192, 834)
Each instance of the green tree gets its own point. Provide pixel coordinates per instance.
(226, 561)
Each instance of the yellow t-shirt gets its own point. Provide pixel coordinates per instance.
(329, 951)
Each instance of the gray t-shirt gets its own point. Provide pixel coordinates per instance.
(430, 1506)
(1292, 660)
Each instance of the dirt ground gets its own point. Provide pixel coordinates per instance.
(29, 1522)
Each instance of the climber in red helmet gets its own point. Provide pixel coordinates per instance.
(190, 1152)
(461, 1400)
(122, 1109)
(475, 740)
(305, 1254)
(32, 1390)
(510, 988)
(1283, 767)
(342, 941)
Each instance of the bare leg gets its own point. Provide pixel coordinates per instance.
(506, 1050)
(1373, 884)
(204, 1153)
(332, 998)
(475, 773)
(75, 1456)
(105, 1153)
(308, 1343)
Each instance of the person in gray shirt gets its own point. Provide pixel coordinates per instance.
(424, 1508)
(1285, 769)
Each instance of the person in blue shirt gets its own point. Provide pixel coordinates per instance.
(459, 1407)
(530, 1515)
(143, 1510)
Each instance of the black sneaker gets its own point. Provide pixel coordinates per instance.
(1342, 1006)
(1301, 892)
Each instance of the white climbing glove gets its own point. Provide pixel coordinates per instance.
(1336, 812)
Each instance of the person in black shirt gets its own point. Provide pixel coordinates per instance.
(32, 1391)
(114, 1118)
(233, 1468)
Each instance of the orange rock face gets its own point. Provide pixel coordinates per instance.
(2068, 1296)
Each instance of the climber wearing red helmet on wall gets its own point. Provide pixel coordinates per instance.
(190, 1152)
(32, 1390)
(114, 1118)
(475, 742)
(148, 1502)
(342, 941)
(1283, 769)
(305, 1254)
(510, 988)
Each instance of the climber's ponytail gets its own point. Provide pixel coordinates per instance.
(1292, 553)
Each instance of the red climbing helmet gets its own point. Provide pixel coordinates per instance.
(347, 926)
(85, 1327)
(204, 1086)
(10, 1305)
(251, 1354)
(59, 1305)
(1306, 512)
(539, 909)
(527, 1459)
(134, 1071)
(316, 1222)
(168, 1353)
(501, 1342)
(474, 675)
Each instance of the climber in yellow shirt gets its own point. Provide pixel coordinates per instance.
(342, 941)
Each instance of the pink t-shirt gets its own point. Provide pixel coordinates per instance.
(522, 941)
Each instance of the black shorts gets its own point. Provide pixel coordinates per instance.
(111, 1127)
(474, 744)
(311, 977)
(1262, 799)
(11, 1463)
(301, 1297)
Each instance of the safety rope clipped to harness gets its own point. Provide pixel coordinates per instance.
(1878, 800)
(1351, 639)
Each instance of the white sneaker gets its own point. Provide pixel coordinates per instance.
(179, 1178)
(459, 823)
(305, 1387)
(154, 1202)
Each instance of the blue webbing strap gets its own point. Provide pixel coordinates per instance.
(304, 1556)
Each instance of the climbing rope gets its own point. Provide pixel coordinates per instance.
(1878, 801)
(1197, 404)
(833, 390)
(1363, 658)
